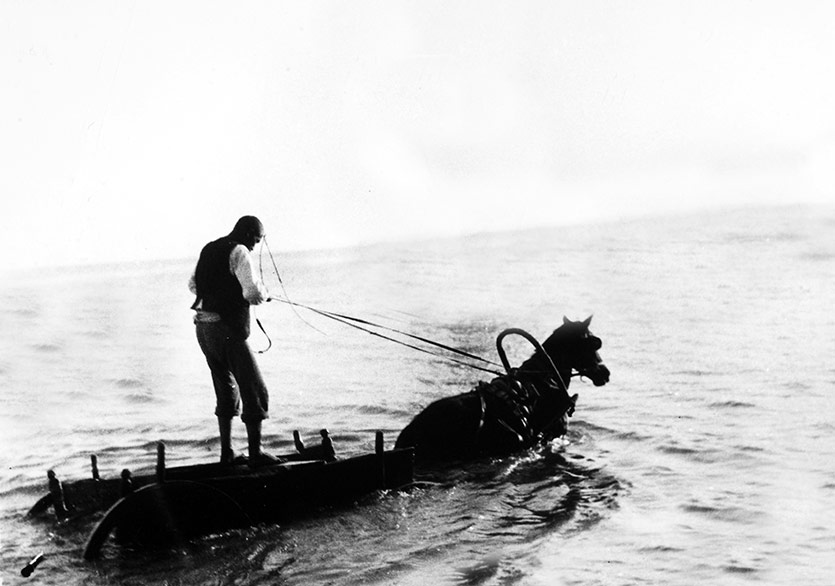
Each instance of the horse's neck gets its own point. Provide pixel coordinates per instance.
(538, 370)
(550, 397)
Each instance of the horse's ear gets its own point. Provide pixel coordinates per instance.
(587, 321)
(565, 321)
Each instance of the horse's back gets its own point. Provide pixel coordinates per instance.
(446, 428)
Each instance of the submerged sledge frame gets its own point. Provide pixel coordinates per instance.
(176, 504)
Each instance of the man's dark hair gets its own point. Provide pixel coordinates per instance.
(246, 227)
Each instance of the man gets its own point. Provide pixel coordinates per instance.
(226, 284)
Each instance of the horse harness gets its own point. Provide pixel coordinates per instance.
(511, 402)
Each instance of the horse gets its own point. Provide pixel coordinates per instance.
(529, 405)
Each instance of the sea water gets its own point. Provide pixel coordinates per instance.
(708, 458)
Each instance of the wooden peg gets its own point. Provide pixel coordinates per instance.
(328, 452)
(94, 464)
(297, 441)
(56, 489)
(126, 486)
(379, 449)
(160, 462)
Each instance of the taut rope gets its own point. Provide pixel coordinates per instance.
(364, 325)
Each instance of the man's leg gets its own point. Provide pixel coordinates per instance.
(254, 395)
(211, 338)
(256, 456)
(224, 425)
(253, 436)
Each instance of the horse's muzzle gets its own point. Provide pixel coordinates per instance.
(599, 375)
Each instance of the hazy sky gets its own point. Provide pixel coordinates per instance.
(133, 130)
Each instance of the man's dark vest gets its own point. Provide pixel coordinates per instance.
(219, 288)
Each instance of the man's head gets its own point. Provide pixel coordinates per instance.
(249, 231)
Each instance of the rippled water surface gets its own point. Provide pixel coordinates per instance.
(706, 459)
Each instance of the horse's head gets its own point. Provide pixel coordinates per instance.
(573, 346)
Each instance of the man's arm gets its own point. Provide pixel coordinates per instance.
(241, 264)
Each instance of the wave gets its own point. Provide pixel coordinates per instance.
(695, 372)
(381, 410)
(531, 494)
(732, 514)
(753, 238)
(737, 569)
(661, 549)
(48, 347)
(731, 404)
(129, 383)
(632, 436)
(817, 256)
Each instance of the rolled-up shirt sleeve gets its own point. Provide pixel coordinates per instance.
(241, 264)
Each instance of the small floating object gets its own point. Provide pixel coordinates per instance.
(30, 567)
